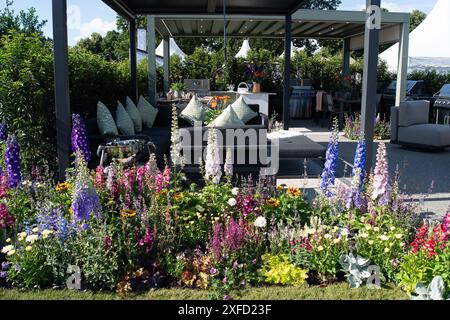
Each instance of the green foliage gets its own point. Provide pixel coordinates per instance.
(279, 270)
(417, 17)
(26, 96)
(24, 22)
(433, 80)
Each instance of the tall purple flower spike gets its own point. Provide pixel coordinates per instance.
(79, 137)
(12, 161)
(329, 171)
(358, 174)
(3, 132)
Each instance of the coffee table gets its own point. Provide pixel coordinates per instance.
(295, 146)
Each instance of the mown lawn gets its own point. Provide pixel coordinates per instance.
(339, 291)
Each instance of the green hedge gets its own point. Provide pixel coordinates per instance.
(27, 94)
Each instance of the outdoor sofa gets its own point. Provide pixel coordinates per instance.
(410, 127)
(160, 136)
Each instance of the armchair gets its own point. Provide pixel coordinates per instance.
(410, 127)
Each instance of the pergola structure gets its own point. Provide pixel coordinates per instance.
(284, 19)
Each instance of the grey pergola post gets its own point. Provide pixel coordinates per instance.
(287, 73)
(151, 59)
(346, 58)
(370, 78)
(62, 93)
(402, 72)
(133, 61)
(166, 44)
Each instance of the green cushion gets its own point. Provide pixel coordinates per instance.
(105, 121)
(123, 121)
(194, 111)
(243, 111)
(227, 119)
(147, 111)
(134, 115)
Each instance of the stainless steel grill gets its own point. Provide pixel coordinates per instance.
(442, 105)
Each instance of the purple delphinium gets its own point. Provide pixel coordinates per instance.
(85, 200)
(79, 137)
(358, 174)
(3, 132)
(12, 161)
(329, 171)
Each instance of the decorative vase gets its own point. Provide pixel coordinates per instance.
(256, 87)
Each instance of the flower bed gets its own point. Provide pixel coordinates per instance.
(133, 229)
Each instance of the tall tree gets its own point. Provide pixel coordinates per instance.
(417, 18)
(25, 21)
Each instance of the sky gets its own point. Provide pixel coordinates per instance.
(88, 16)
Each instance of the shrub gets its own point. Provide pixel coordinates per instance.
(279, 270)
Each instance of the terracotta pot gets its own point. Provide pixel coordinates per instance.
(256, 87)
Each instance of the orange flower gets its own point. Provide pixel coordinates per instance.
(272, 202)
(128, 213)
(62, 187)
(294, 192)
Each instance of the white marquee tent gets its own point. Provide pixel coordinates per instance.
(429, 47)
(245, 49)
(142, 48)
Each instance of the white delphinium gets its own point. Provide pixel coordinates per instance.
(228, 167)
(213, 171)
(175, 139)
(232, 202)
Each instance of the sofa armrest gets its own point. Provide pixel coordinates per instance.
(395, 112)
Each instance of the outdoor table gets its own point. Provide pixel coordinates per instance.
(342, 103)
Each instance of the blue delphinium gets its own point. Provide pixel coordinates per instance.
(332, 156)
(79, 137)
(3, 132)
(85, 200)
(12, 161)
(358, 174)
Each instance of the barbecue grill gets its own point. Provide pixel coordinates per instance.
(301, 102)
(415, 90)
(442, 105)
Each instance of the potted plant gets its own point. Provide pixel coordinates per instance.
(256, 73)
(177, 88)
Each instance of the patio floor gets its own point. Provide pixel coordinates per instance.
(425, 176)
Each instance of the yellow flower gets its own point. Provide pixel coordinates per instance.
(393, 228)
(376, 229)
(364, 235)
(28, 248)
(371, 242)
(35, 230)
(319, 248)
(8, 240)
(46, 233)
(32, 238)
(274, 203)
(328, 236)
(337, 240)
(294, 192)
(22, 235)
(178, 196)
(386, 250)
(368, 227)
(398, 236)
(128, 213)
(62, 187)
(71, 211)
(7, 249)
(11, 253)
